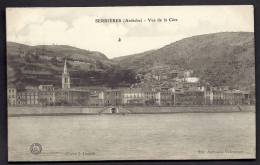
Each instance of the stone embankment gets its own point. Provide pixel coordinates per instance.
(60, 110)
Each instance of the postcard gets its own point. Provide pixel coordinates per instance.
(131, 83)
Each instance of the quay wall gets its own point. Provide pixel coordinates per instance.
(78, 110)
(179, 109)
(37, 110)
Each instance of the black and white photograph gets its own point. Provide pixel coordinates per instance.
(131, 83)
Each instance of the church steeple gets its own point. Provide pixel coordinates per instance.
(65, 70)
(65, 77)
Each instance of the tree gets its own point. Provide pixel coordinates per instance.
(117, 76)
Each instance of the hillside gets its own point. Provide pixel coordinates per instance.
(43, 64)
(221, 58)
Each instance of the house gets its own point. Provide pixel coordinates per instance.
(191, 79)
(167, 97)
(151, 97)
(133, 96)
(114, 97)
(96, 97)
(174, 74)
(236, 97)
(189, 97)
(11, 95)
(28, 96)
(72, 96)
(46, 95)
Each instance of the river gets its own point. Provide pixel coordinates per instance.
(133, 136)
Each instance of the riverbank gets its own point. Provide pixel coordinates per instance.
(77, 110)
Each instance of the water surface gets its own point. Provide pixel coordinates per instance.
(133, 136)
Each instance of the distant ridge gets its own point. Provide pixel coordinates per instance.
(54, 50)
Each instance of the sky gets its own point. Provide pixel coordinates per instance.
(78, 27)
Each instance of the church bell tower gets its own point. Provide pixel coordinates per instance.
(65, 77)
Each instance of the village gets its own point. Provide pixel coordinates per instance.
(182, 91)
